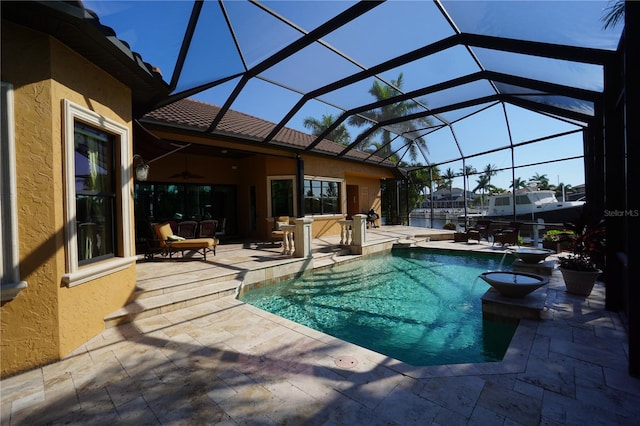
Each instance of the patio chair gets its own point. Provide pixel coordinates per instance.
(207, 228)
(508, 235)
(171, 243)
(481, 229)
(277, 234)
(187, 229)
(222, 224)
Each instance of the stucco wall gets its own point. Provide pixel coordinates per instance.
(48, 320)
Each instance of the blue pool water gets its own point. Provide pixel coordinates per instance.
(419, 306)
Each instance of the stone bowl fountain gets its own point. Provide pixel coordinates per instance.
(531, 255)
(514, 284)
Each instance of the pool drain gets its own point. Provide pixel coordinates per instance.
(346, 362)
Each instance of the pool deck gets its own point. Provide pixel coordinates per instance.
(225, 362)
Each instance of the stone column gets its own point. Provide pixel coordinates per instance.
(303, 237)
(359, 229)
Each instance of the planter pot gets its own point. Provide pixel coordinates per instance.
(556, 246)
(579, 282)
(460, 237)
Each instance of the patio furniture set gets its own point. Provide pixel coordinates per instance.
(483, 229)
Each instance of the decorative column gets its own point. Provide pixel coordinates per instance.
(304, 235)
(287, 239)
(359, 229)
(345, 232)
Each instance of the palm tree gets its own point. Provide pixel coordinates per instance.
(423, 178)
(490, 170)
(448, 177)
(466, 171)
(613, 14)
(543, 179)
(482, 184)
(518, 183)
(339, 135)
(562, 189)
(399, 109)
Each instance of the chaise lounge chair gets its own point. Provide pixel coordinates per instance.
(171, 243)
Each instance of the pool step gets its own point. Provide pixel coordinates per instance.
(157, 294)
(409, 242)
(159, 298)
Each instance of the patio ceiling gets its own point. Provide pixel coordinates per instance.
(461, 63)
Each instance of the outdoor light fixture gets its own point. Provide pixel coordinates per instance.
(142, 168)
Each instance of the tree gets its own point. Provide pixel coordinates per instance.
(613, 14)
(563, 189)
(398, 109)
(339, 135)
(490, 170)
(466, 171)
(518, 183)
(543, 179)
(482, 184)
(448, 177)
(422, 179)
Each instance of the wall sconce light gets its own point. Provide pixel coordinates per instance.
(142, 168)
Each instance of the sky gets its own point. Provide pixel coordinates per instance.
(155, 30)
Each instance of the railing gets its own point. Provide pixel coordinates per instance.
(346, 232)
(288, 245)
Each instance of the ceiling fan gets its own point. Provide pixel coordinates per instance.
(186, 174)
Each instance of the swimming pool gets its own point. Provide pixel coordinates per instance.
(419, 306)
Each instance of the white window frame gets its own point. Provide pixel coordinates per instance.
(10, 283)
(74, 274)
(343, 195)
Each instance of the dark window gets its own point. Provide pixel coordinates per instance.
(282, 197)
(95, 193)
(503, 201)
(321, 197)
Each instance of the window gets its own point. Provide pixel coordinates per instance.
(95, 196)
(281, 197)
(321, 197)
(503, 201)
(98, 186)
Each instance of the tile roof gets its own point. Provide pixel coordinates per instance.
(197, 115)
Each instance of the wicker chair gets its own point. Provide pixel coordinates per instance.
(207, 228)
(481, 229)
(508, 235)
(187, 229)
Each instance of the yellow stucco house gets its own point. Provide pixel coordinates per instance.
(77, 116)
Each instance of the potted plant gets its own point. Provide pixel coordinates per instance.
(581, 268)
(460, 237)
(558, 240)
(450, 226)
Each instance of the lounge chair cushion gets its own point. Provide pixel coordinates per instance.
(164, 232)
(280, 224)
